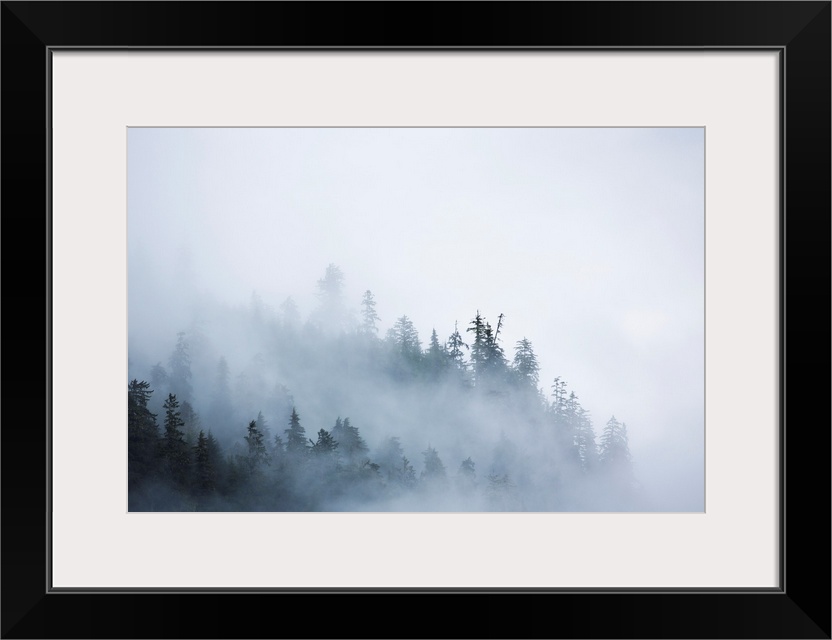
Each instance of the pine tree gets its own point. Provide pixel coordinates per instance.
(180, 369)
(190, 423)
(369, 317)
(331, 315)
(405, 474)
(296, 441)
(495, 365)
(142, 434)
(558, 406)
(436, 358)
(615, 448)
(263, 428)
(174, 448)
(487, 357)
(455, 352)
(466, 476)
(215, 458)
(256, 454)
(615, 465)
(220, 410)
(205, 472)
(325, 446)
(585, 441)
(501, 492)
(278, 453)
(158, 376)
(434, 474)
(406, 349)
(479, 349)
(405, 337)
(389, 457)
(525, 363)
(352, 445)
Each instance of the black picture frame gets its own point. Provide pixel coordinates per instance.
(799, 608)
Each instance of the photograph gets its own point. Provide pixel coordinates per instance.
(453, 303)
(416, 319)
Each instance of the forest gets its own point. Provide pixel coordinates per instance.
(259, 409)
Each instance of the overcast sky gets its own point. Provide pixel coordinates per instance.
(590, 241)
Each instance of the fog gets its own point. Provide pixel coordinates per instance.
(587, 242)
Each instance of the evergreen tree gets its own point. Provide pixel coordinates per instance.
(205, 472)
(190, 423)
(331, 315)
(216, 461)
(278, 453)
(405, 337)
(263, 428)
(389, 457)
(466, 476)
(174, 448)
(558, 406)
(615, 465)
(495, 365)
(585, 441)
(525, 363)
(568, 431)
(369, 317)
(325, 446)
(256, 454)
(158, 376)
(455, 352)
(436, 358)
(295, 436)
(615, 448)
(479, 349)
(434, 473)
(501, 492)
(406, 349)
(352, 445)
(405, 474)
(180, 369)
(487, 357)
(220, 416)
(142, 434)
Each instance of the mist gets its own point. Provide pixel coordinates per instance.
(250, 255)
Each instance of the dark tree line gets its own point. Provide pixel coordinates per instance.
(221, 460)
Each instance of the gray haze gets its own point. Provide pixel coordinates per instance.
(589, 241)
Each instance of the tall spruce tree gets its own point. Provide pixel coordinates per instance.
(436, 358)
(614, 452)
(325, 446)
(467, 476)
(369, 317)
(479, 348)
(525, 363)
(434, 474)
(352, 446)
(296, 441)
(180, 369)
(205, 474)
(175, 451)
(454, 348)
(331, 315)
(585, 441)
(256, 456)
(142, 434)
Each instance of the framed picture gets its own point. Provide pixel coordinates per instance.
(112, 96)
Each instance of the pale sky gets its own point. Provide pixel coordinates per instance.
(590, 241)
